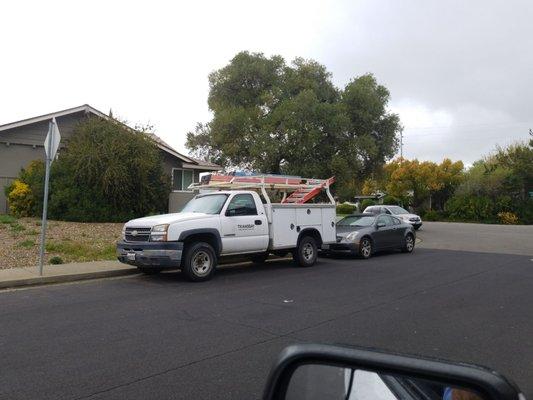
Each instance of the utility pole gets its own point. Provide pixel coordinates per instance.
(401, 145)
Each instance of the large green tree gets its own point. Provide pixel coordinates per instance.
(277, 118)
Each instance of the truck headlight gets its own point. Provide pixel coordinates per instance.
(124, 232)
(159, 233)
(351, 236)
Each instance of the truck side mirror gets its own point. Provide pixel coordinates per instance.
(313, 371)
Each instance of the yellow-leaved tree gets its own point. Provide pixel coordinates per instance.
(422, 182)
(20, 199)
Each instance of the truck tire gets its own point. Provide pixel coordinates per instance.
(306, 253)
(199, 262)
(149, 270)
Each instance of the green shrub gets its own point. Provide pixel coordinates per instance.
(346, 209)
(367, 203)
(471, 208)
(16, 227)
(56, 260)
(107, 173)
(80, 251)
(20, 198)
(7, 219)
(524, 210)
(391, 200)
(27, 244)
(33, 177)
(480, 208)
(508, 218)
(432, 215)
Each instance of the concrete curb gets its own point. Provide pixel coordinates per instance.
(11, 282)
(46, 280)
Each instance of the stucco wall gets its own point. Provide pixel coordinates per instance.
(3, 201)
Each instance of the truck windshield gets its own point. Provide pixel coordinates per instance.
(207, 204)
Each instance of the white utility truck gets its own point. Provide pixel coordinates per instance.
(233, 215)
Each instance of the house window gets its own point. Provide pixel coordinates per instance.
(182, 178)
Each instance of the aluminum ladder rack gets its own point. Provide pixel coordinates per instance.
(301, 190)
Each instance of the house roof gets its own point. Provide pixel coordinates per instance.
(188, 161)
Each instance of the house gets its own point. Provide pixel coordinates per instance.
(23, 141)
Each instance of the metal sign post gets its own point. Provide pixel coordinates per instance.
(51, 145)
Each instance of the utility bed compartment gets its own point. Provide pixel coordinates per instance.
(288, 220)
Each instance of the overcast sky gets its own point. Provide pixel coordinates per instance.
(460, 73)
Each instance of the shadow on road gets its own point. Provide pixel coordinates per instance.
(274, 264)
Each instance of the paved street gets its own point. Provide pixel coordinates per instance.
(162, 337)
(503, 239)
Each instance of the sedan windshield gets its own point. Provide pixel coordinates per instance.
(398, 210)
(364, 220)
(207, 204)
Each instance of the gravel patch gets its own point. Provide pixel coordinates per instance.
(20, 241)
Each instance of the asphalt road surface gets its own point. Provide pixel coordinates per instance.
(502, 239)
(164, 338)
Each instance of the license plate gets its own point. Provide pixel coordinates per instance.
(130, 256)
(325, 247)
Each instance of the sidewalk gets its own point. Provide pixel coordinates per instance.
(17, 277)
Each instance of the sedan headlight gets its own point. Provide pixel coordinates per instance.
(159, 233)
(351, 236)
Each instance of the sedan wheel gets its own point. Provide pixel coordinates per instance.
(365, 248)
(409, 244)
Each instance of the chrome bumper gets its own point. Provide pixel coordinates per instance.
(150, 254)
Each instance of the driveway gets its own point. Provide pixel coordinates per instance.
(502, 239)
(161, 337)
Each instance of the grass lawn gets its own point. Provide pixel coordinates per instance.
(71, 241)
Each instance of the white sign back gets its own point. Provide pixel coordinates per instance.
(51, 143)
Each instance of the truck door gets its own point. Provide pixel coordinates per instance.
(244, 230)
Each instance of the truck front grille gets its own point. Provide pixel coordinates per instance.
(138, 234)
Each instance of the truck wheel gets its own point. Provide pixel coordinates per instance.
(149, 270)
(199, 262)
(306, 253)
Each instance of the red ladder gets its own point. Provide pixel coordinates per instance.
(309, 191)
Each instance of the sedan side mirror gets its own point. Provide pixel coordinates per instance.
(381, 225)
(324, 372)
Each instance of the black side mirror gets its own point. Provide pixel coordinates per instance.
(325, 372)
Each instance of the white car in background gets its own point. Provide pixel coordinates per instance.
(398, 212)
